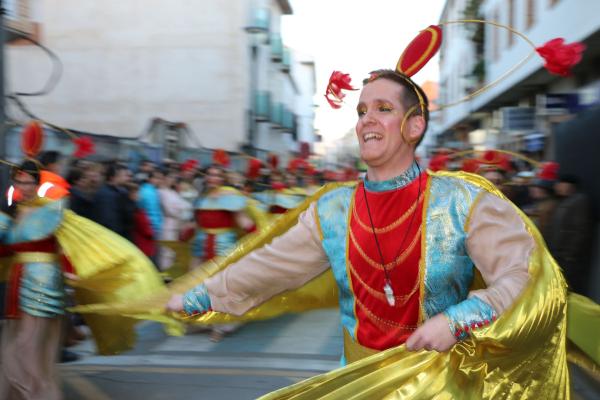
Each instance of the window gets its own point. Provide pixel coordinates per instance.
(530, 14)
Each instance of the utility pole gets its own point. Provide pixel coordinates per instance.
(4, 170)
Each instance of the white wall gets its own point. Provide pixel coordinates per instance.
(128, 61)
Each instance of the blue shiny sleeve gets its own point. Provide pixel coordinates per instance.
(196, 301)
(469, 315)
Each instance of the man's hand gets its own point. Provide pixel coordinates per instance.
(434, 334)
(175, 303)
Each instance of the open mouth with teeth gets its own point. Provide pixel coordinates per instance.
(371, 136)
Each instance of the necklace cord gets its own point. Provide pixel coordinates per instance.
(385, 271)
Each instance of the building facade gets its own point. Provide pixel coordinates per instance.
(209, 65)
(518, 112)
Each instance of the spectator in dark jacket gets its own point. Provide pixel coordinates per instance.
(81, 198)
(111, 201)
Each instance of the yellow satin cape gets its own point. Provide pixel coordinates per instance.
(110, 269)
(521, 355)
(320, 292)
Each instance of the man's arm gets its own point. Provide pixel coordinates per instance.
(500, 245)
(290, 261)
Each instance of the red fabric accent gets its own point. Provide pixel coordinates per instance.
(66, 264)
(47, 245)
(548, 171)
(11, 310)
(338, 81)
(386, 207)
(214, 219)
(253, 168)
(32, 139)
(143, 235)
(187, 234)
(420, 50)
(278, 186)
(209, 248)
(277, 210)
(252, 229)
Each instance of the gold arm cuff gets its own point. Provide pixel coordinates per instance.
(354, 351)
(35, 257)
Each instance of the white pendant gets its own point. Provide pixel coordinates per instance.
(389, 294)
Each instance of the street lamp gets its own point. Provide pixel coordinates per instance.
(257, 30)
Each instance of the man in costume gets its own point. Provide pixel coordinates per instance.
(405, 246)
(422, 261)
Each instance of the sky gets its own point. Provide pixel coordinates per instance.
(355, 37)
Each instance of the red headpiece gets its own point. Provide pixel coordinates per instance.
(253, 168)
(220, 157)
(548, 171)
(32, 139)
(189, 165)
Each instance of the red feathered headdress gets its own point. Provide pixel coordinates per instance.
(220, 157)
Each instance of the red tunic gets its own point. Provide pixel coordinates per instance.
(379, 325)
(213, 219)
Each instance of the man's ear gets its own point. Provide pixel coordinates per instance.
(415, 129)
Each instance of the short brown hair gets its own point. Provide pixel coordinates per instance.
(409, 97)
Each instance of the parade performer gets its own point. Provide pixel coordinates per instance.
(223, 215)
(423, 261)
(49, 245)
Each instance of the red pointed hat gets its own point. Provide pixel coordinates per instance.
(420, 50)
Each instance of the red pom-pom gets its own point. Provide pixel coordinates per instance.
(560, 57)
(84, 146)
(220, 157)
(32, 139)
(420, 50)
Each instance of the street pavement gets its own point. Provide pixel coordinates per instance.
(257, 359)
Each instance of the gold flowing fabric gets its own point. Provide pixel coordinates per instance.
(110, 270)
(320, 292)
(521, 355)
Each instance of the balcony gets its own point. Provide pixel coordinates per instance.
(260, 21)
(262, 103)
(286, 60)
(277, 112)
(288, 119)
(276, 47)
